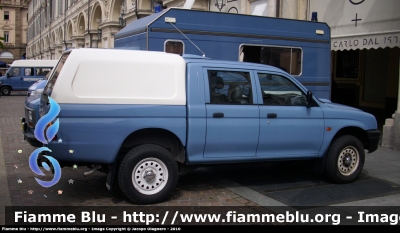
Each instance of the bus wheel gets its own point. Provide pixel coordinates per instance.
(5, 91)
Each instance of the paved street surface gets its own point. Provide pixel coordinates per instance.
(261, 184)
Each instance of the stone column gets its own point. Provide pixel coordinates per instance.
(244, 7)
(388, 133)
(396, 124)
(271, 8)
(94, 44)
(302, 10)
(51, 51)
(107, 36)
(58, 50)
(289, 9)
(18, 27)
(391, 129)
(100, 42)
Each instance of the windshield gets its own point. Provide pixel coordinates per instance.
(3, 71)
(14, 72)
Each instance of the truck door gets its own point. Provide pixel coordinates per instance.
(29, 77)
(232, 117)
(288, 128)
(14, 78)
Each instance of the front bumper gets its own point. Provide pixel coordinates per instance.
(374, 137)
(28, 136)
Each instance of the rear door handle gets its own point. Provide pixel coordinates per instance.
(271, 115)
(218, 115)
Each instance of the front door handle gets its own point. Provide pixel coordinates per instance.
(272, 115)
(218, 115)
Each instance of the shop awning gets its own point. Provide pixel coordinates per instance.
(366, 41)
(360, 24)
(6, 55)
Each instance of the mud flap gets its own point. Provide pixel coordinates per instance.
(110, 177)
(319, 165)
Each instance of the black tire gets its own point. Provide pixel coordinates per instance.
(5, 91)
(344, 160)
(159, 182)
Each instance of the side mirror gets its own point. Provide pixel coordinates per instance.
(8, 75)
(309, 98)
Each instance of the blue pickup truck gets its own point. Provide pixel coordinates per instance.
(31, 115)
(144, 117)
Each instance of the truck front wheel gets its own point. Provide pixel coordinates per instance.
(148, 174)
(345, 159)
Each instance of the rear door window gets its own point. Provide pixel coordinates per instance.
(229, 87)
(29, 71)
(42, 71)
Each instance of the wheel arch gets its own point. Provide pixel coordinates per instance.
(354, 131)
(161, 137)
(357, 132)
(157, 136)
(6, 85)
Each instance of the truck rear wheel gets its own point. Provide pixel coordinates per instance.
(148, 174)
(5, 91)
(345, 159)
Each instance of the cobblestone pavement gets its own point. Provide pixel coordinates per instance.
(192, 190)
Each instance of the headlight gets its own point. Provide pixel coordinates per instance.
(30, 115)
(37, 92)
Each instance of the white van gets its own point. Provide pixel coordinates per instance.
(23, 73)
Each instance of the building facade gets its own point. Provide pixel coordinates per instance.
(13, 26)
(58, 25)
(365, 44)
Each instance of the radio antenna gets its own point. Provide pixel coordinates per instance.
(188, 39)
